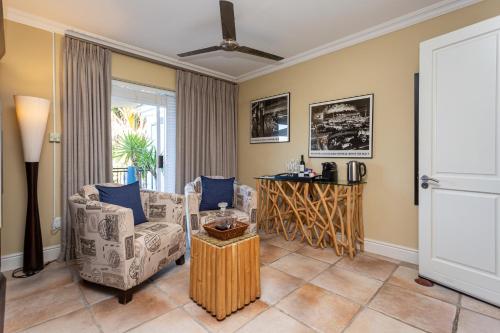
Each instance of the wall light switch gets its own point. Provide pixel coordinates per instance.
(55, 137)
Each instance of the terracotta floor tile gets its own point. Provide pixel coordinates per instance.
(57, 265)
(275, 284)
(418, 310)
(300, 266)
(147, 303)
(176, 285)
(175, 321)
(34, 309)
(51, 266)
(172, 269)
(370, 321)
(290, 245)
(370, 266)
(78, 321)
(229, 324)
(378, 256)
(270, 253)
(265, 236)
(472, 322)
(481, 307)
(327, 255)
(354, 286)
(319, 309)
(94, 293)
(409, 265)
(42, 281)
(275, 321)
(404, 277)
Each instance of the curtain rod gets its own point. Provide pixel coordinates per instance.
(144, 58)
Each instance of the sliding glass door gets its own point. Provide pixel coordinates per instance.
(143, 130)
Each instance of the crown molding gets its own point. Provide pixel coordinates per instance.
(22, 17)
(19, 16)
(147, 54)
(424, 14)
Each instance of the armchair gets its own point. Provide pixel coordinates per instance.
(113, 252)
(244, 205)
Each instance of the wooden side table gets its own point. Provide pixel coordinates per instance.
(225, 275)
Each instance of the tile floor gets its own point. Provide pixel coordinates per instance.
(303, 290)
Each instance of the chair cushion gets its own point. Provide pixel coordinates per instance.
(156, 245)
(128, 196)
(214, 191)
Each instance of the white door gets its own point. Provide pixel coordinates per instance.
(459, 212)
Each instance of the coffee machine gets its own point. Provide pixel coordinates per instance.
(329, 172)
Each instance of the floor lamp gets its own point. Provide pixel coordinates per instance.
(32, 114)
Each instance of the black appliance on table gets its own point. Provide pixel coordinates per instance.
(330, 171)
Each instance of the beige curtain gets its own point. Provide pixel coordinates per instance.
(206, 127)
(86, 124)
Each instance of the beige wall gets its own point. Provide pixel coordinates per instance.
(26, 69)
(384, 67)
(143, 72)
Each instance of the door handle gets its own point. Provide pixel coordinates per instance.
(426, 179)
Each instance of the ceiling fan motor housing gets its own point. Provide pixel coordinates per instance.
(229, 37)
(229, 45)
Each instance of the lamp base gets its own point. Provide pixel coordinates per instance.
(33, 245)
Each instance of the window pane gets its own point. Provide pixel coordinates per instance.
(141, 134)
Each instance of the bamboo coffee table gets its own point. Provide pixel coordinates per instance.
(225, 275)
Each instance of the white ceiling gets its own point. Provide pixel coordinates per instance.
(284, 27)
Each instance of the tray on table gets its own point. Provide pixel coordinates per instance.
(237, 230)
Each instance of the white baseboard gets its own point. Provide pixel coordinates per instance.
(390, 250)
(15, 260)
(398, 252)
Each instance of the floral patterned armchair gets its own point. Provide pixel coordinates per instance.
(113, 252)
(244, 206)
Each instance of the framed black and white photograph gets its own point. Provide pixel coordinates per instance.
(342, 128)
(270, 119)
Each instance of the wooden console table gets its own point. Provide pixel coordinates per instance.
(225, 275)
(323, 213)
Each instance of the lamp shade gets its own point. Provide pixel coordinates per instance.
(32, 114)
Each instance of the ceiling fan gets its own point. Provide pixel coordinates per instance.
(229, 42)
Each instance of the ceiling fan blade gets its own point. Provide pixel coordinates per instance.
(200, 51)
(227, 20)
(258, 53)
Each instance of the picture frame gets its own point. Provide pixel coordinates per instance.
(342, 128)
(270, 119)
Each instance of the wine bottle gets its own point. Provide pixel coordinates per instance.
(302, 164)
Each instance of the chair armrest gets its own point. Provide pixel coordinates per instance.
(104, 241)
(164, 207)
(192, 200)
(245, 199)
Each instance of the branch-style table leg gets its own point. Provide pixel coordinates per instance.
(325, 214)
(328, 228)
(288, 200)
(349, 225)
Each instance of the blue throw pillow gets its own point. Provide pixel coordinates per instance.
(128, 196)
(214, 191)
